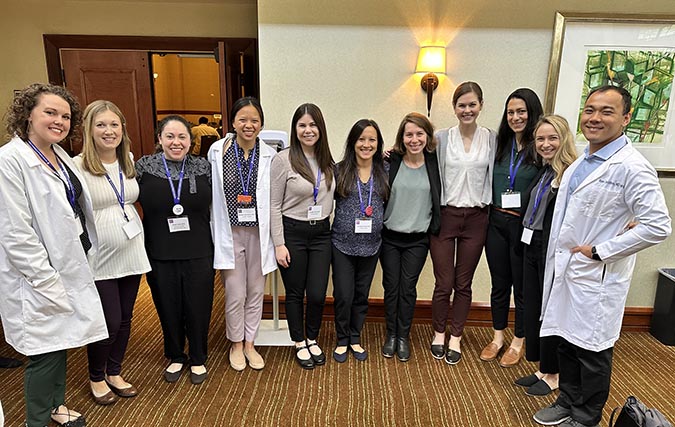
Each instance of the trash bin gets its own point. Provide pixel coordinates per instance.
(663, 319)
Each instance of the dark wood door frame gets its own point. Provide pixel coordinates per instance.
(228, 46)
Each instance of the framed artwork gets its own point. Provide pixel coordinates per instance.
(636, 52)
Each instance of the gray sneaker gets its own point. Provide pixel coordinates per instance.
(552, 415)
(573, 423)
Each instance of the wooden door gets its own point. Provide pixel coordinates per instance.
(122, 77)
(237, 59)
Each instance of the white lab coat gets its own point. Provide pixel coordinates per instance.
(584, 299)
(221, 229)
(49, 300)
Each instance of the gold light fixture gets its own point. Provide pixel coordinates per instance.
(431, 60)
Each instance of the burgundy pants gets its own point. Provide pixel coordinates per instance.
(455, 253)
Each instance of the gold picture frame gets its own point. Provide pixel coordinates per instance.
(576, 36)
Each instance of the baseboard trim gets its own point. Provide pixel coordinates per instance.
(635, 319)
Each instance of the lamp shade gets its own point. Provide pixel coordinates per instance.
(431, 59)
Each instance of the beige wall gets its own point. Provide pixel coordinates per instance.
(356, 59)
(23, 23)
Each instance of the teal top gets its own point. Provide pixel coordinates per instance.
(409, 207)
(500, 180)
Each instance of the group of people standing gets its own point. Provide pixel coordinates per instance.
(559, 233)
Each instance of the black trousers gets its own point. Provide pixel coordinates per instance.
(309, 245)
(402, 258)
(503, 250)
(352, 277)
(117, 298)
(182, 291)
(584, 381)
(537, 349)
(44, 386)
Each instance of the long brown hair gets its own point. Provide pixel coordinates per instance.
(90, 158)
(346, 177)
(299, 162)
(567, 152)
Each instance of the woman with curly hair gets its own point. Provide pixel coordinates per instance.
(50, 302)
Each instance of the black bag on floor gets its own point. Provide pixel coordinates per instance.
(635, 414)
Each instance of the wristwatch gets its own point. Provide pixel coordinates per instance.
(594, 254)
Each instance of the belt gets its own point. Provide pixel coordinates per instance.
(308, 222)
(506, 211)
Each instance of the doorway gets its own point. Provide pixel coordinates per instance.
(119, 68)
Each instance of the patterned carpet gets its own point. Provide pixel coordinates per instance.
(378, 392)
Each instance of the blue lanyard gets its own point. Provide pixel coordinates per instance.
(119, 194)
(176, 194)
(544, 182)
(70, 189)
(370, 194)
(245, 187)
(513, 171)
(316, 187)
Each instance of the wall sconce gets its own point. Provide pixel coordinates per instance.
(431, 60)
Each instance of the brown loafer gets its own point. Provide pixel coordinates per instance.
(130, 391)
(490, 352)
(511, 357)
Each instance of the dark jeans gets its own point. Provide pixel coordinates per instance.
(455, 253)
(503, 250)
(352, 277)
(182, 291)
(44, 386)
(537, 349)
(402, 258)
(584, 381)
(309, 245)
(117, 298)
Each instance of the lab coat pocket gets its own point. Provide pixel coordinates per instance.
(40, 302)
(585, 275)
(601, 203)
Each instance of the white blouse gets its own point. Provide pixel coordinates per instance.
(466, 175)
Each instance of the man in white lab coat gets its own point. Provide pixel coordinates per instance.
(591, 255)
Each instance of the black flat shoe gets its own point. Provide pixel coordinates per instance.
(359, 355)
(438, 351)
(527, 381)
(304, 363)
(403, 349)
(453, 357)
(540, 388)
(389, 347)
(340, 357)
(319, 359)
(172, 377)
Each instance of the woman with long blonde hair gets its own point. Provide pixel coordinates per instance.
(554, 144)
(108, 168)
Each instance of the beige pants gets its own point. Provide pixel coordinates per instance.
(244, 286)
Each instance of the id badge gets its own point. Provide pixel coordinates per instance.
(511, 200)
(315, 212)
(178, 223)
(527, 235)
(363, 226)
(78, 226)
(246, 214)
(131, 229)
